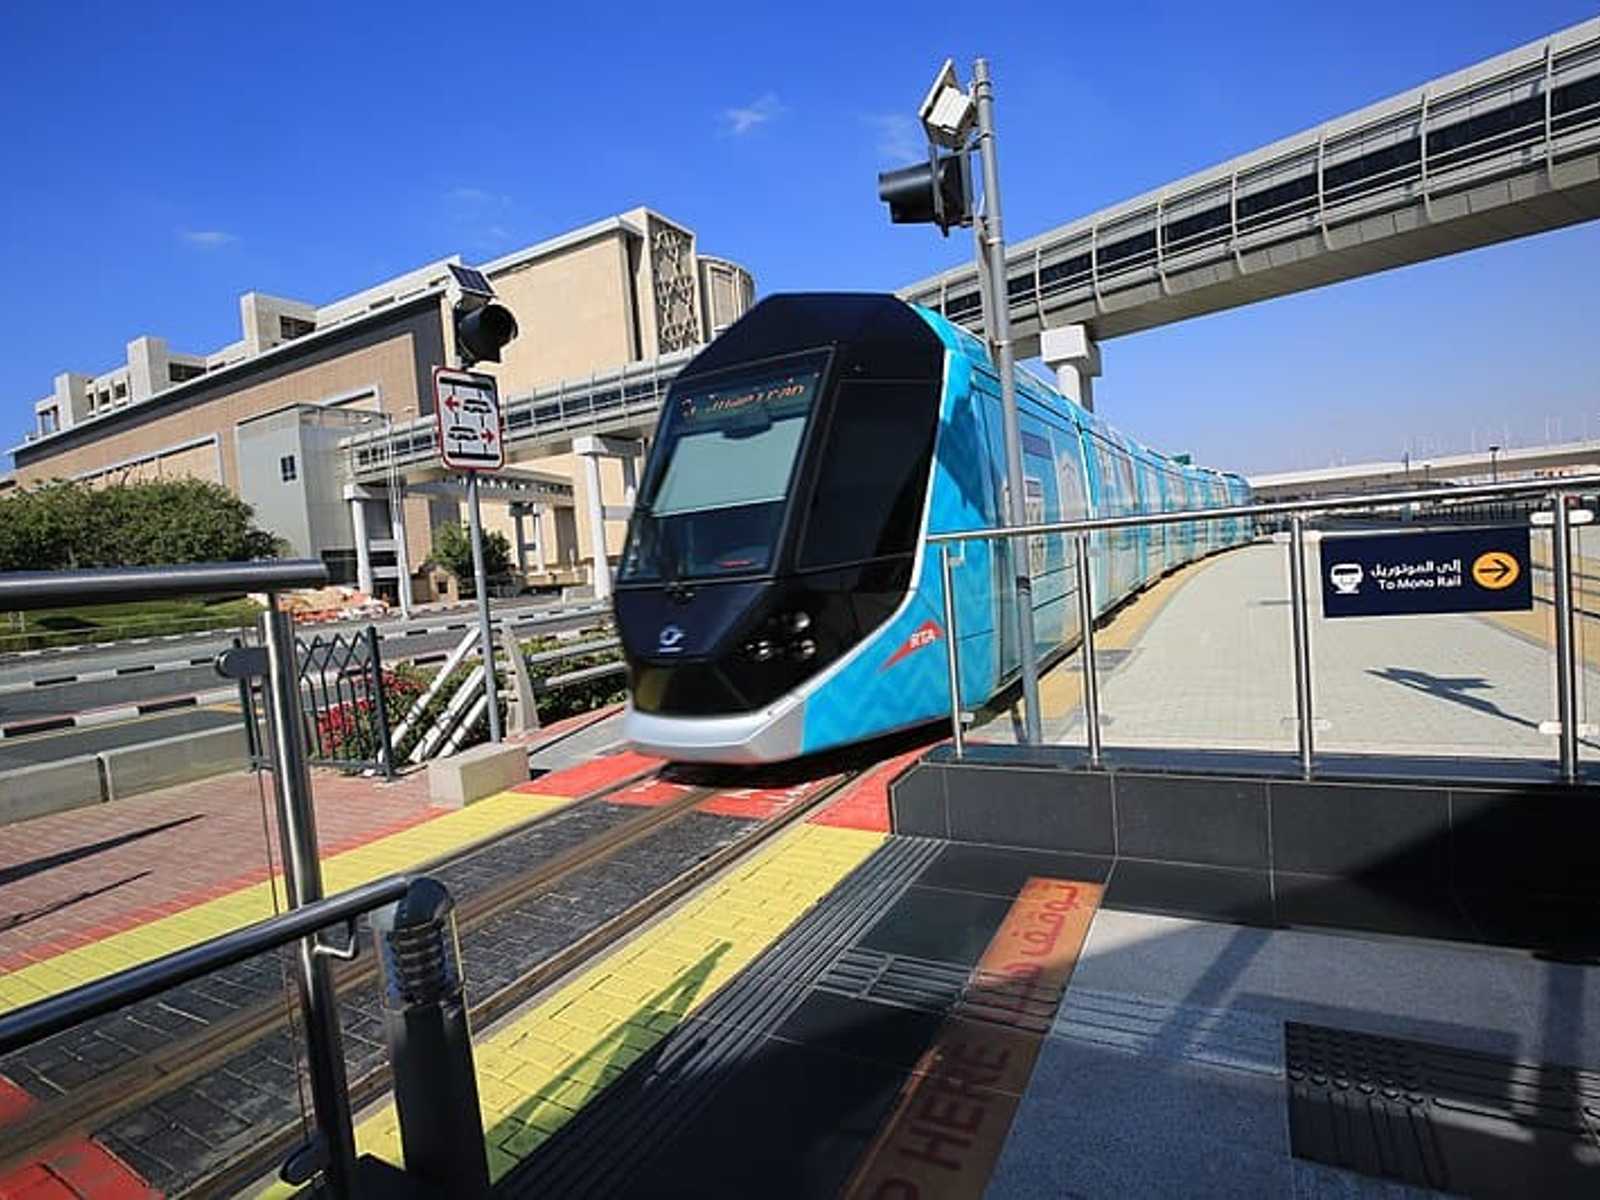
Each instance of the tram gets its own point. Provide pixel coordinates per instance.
(777, 595)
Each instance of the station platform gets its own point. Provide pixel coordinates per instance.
(1203, 659)
(854, 1013)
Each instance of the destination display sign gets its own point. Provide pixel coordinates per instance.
(1451, 571)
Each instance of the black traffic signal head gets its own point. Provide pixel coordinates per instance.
(481, 331)
(930, 193)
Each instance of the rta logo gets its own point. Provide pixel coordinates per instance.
(923, 635)
(670, 639)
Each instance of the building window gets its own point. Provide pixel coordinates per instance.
(287, 470)
(47, 421)
(120, 391)
(183, 372)
(293, 327)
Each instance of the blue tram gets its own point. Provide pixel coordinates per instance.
(777, 595)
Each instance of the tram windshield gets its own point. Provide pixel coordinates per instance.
(726, 455)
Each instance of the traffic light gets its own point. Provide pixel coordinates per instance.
(932, 193)
(481, 330)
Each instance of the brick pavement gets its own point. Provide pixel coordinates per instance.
(71, 878)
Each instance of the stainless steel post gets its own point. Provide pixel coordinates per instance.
(485, 634)
(1091, 676)
(993, 262)
(1566, 663)
(303, 872)
(1302, 640)
(952, 654)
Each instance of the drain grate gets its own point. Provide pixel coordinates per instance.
(896, 979)
(1437, 1117)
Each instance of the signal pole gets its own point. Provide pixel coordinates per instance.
(992, 264)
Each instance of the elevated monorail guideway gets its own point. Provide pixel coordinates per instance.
(1503, 149)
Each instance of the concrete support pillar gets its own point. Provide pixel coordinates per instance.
(358, 519)
(590, 451)
(1070, 351)
(518, 515)
(402, 555)
(536, 512)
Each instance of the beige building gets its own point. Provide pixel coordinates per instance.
(266, 416)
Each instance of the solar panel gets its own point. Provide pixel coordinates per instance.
(470, 279)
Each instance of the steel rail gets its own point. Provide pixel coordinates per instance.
(21, 590)
(227, 1180)
(129, 1087)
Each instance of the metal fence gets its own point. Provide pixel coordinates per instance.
(343, 698)
(1564, 498)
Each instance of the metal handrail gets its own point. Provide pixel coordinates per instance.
(1476, 491)
(1566, 682)
(21, 590)
(33, 1022)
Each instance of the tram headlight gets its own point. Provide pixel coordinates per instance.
(783, 634)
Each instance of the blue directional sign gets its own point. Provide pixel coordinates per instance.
(1451, 571)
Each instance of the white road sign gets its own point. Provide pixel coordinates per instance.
(467, 408)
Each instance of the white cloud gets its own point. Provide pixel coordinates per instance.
(478, 197)
(900, 138)
(207, 239)
(740, 121)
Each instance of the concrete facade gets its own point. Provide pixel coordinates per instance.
(264, 416)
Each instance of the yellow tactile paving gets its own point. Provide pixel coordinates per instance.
(387, 855)
(537, 1070)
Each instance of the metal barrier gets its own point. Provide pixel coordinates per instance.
(346, 709)
(331, 1151)
(1563, 495)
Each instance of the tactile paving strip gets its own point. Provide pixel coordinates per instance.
(1433, 1116)
(599, 1152)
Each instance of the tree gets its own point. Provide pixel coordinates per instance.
(65, 525)
(452, 550)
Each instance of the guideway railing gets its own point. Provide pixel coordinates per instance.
(1564, 496)
(412, 919)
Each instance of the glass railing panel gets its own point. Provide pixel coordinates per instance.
(1196, 654)
(1475, 683)
(1586, 633)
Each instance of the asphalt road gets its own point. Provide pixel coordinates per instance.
(22, 699)
(64, 744)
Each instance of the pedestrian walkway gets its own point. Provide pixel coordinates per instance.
(1205, 660)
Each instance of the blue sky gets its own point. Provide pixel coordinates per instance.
(165, 158)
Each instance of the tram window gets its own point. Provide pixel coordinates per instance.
(874, 474)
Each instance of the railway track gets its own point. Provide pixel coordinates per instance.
(140, 1086)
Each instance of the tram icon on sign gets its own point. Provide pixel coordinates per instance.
(1346, 578)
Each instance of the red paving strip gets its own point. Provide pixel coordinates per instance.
(590, 776)
(865, 803)
(74, 1169)
(945, 1134)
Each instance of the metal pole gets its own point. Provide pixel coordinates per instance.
(1566, 664)
(247, 709)
(952, 654)
(1000, 338)
(485, 633)
(303, 873)
(380, 703)
(1091, 676)
(1302, 639)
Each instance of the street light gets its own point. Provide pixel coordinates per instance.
(1494, 466)
(962, 123)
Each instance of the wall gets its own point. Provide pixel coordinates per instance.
(573, 315)
(393, 355)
